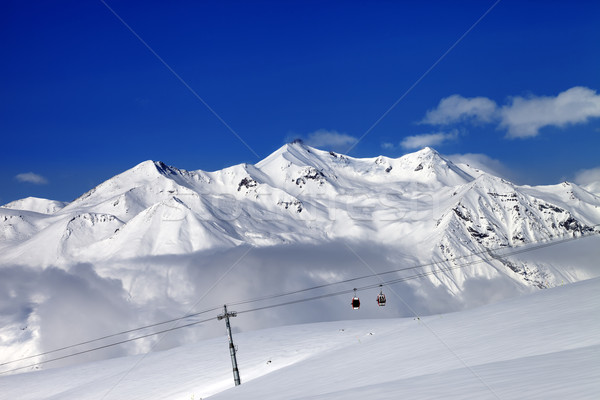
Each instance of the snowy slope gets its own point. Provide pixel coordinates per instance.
(593, 187)
(299, 195)
(35, 204)
(158, 239)
(540, 346)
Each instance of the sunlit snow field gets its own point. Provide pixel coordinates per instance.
(544, 345)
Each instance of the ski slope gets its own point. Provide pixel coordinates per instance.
(157, 242)
(545, 345)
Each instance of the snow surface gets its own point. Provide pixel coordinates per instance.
(421, 205)
(36, 204)
(540, 346)
(156, 242)
(593, 187)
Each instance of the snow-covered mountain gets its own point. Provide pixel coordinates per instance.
(36, 204)
(421, 203)
(155, 241)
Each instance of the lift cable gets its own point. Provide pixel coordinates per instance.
(365, 287)
(111, 335)
(107, 345)
(518, 250)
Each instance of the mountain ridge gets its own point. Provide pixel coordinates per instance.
(158, 238)
(299, 193)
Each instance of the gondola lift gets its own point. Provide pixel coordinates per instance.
(355, 301)
(381, 298)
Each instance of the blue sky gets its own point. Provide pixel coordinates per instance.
(512, 84)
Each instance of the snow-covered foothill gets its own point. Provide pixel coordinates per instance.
(42, 206)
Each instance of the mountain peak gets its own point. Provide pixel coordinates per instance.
(427, 153)
(427, 165)
(299, 145)
(295, 152)
(427, 150)
(150, 168)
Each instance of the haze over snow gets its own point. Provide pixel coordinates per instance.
(156, 242)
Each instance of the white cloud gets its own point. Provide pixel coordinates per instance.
(457, 108)
(76, 303)
(589, 179)
(427, 139)
(522, 117)
(329, 139)
(69, 306)
(587, 176)
(31, 177)
(525, 116)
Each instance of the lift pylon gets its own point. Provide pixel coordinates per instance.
(232, 350)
